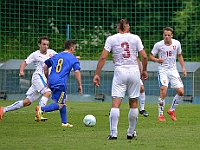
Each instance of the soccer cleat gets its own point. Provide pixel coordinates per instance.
(172, 114)
(144, 113)
(1, 113)
(131, 136)
(38, 113)
(67, 125)
(161, 118)
(42, 118)
(110, 137)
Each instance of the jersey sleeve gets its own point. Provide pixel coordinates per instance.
(155, 49)
(108, 44)
(179, 50)
(76, 66)
(30, 58)
(139, 44)
(48, 62)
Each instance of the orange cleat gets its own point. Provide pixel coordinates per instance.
(161, 118)
(1, 113)
(38, 113)
(172, 114)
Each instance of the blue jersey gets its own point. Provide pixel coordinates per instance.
(62, 64)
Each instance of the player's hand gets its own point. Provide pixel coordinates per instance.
(78, 57)
(96, 80)
(21, 74)
(80, 90)
(184, 72)
(144, 75)
(160, 60)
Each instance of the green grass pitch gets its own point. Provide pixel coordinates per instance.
(19, 131)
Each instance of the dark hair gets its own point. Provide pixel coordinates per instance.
(43, 38)
(122, 24)
(69, 44)
(168, 29)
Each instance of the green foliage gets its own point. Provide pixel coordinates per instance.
(19, 131)
(187, 28)
(91, 22)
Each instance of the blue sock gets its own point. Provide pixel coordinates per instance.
(63, 114)
(50, 107)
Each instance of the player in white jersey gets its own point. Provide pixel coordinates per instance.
(167, 51)
(38, 86)
(124, 47)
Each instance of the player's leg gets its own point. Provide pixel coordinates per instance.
(118, 92)
(133, 88)
(39, 83)
(132, 117)
(142, 98)
(63, 114)
(114, 118)
(178, 85)
(19, 104)
(163, 83)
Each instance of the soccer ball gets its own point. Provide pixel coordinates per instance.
(89, 120)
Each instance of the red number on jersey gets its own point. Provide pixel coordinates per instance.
(125, 46)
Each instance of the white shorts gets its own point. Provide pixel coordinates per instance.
(127, 79)
(169, 76)
(37, 88)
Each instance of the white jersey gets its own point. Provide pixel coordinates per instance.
(38, 59)
(125, 48)
(167, 53)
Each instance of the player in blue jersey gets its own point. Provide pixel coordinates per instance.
(61, 64)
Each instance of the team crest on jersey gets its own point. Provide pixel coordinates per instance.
(174, 47)
(164, 81)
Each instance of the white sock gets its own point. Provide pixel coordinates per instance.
(175, 102)
(114, 118)
(43, 101)
(132, 118)
(161, 106)
(14, 106)
(142, 100)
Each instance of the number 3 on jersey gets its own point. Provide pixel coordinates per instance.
(59, 65)
(126, 53)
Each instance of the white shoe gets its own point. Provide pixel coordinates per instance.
(67, 125)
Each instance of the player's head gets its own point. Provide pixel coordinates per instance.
(123, 26)
(167, 34)
(70, 46)
(43, 43)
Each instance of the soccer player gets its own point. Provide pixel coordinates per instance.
(167, 51)
(125, 47)
(61, 64)
(38, 86)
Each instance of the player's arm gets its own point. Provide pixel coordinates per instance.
(22, 66)
(47, 65)
(78, 79)
(100, 65)
(144, 64)
(181, 61)
(139, 64)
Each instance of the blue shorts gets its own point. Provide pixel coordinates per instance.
(58, 96)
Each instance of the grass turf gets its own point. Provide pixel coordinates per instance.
(19, 131)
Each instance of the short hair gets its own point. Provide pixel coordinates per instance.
(122, 24)
(43, 38)
(168, 29)
(69, 44)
